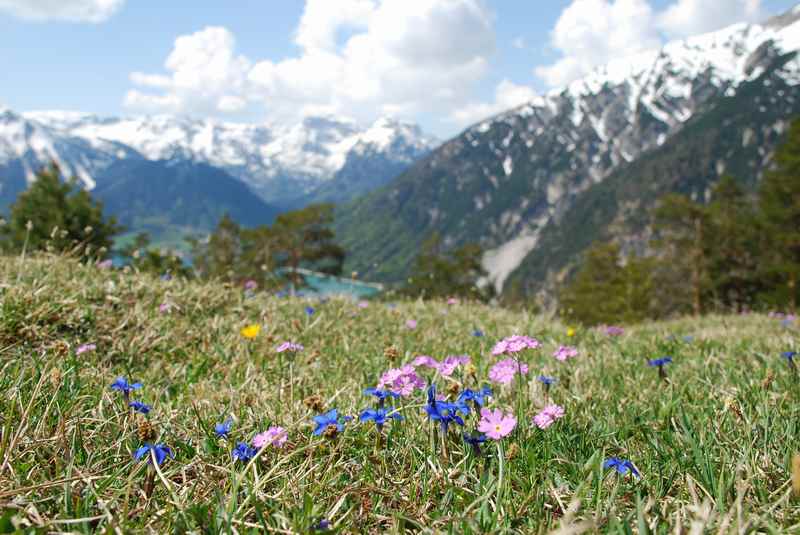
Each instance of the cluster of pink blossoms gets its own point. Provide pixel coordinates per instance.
(515, 344)
(548, 415)
(85, 348)
(495, 425)
(613, 330)
(401, 381)
(503, 372)
(274, 436)
(446, 367)
(290, 347)
(565, 352)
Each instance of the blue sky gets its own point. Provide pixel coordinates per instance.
(442, 63)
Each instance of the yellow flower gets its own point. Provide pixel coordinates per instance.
(251, 331)
(571, 332)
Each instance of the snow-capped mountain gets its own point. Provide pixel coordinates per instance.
(280, 163)
(505, 180)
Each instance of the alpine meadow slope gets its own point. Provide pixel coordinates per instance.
(530, 176)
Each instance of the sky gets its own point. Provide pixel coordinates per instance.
(444, 64)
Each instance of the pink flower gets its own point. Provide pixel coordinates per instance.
(84, 348)
(411, 324)
(503, 372)
(452, 301)
(565, 352)
(495, 425)
(449, 364)
(250, 285)
(613, 330)
(289, 346)
(363, 304)
(514, 344)
(275, 436)
(105, 264)
(425, 360)
(548, 415)
(402, 381)
(164, 307)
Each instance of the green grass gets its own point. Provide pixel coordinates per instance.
(714, 446)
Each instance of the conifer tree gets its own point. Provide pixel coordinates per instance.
(61, 216)
(779, 200)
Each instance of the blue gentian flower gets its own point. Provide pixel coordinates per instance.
(789, 355)
(166, 277)
(322, 525)
(329, 419)
(477, 333)
(222, 429)
(545, 380)
(477, 397)
(379, 416)
(382, 395)
(688, 339)
(621, 465)
(159, 450)
(441, 411)
(474, 438)
(659, 362)
(140, 407)
(310, 311)
(243, 452)
(123, 386)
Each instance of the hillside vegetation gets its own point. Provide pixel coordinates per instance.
(711, 434)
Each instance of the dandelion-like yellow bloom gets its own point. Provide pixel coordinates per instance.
(571, 332)
(251, 331)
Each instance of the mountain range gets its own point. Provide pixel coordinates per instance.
(151, 171)
(537, 184)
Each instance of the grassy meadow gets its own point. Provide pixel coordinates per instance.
(712, 442)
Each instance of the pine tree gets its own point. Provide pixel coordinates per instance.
(779, 198)
(304, 238)
(682, 228)
(733, 246)
(60, 216)
(219, 257)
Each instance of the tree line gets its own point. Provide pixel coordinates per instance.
(736, 253)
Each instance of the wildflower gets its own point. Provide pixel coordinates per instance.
(310, 311)
(503, 372)
(514, 344)
(391, 353)
(382, 395)
(145, 430)
(613, 330)
(402, 381)
(546, 380)
(411, 324)
(477, 397)
(688, 339)
(495, 424)
(565, 352)
(363, 304)
(331, 420)
(452, 301)
(477, 333)
(548, 416)
(789, 355)
(475, 440)
(449, 364)
(84, 348)
(379, 416)
(251, 331)
(425, 360)
(121, 384)
(164, 308)
(222, 429)
(441, 411)
(105, 264)
(274, 436)
(166, 277)
(571, 332)
(313, 402)
(290, 347)
(623, 466)
(140, 407)
(243, 452)
(659, 362)
(322, 525)
(160, 451)
(250, 285)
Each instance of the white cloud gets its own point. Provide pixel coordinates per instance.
(691, 17)
(68, 10)
(361, 58)
(589, 33)
(507, 95)
(592, 32)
